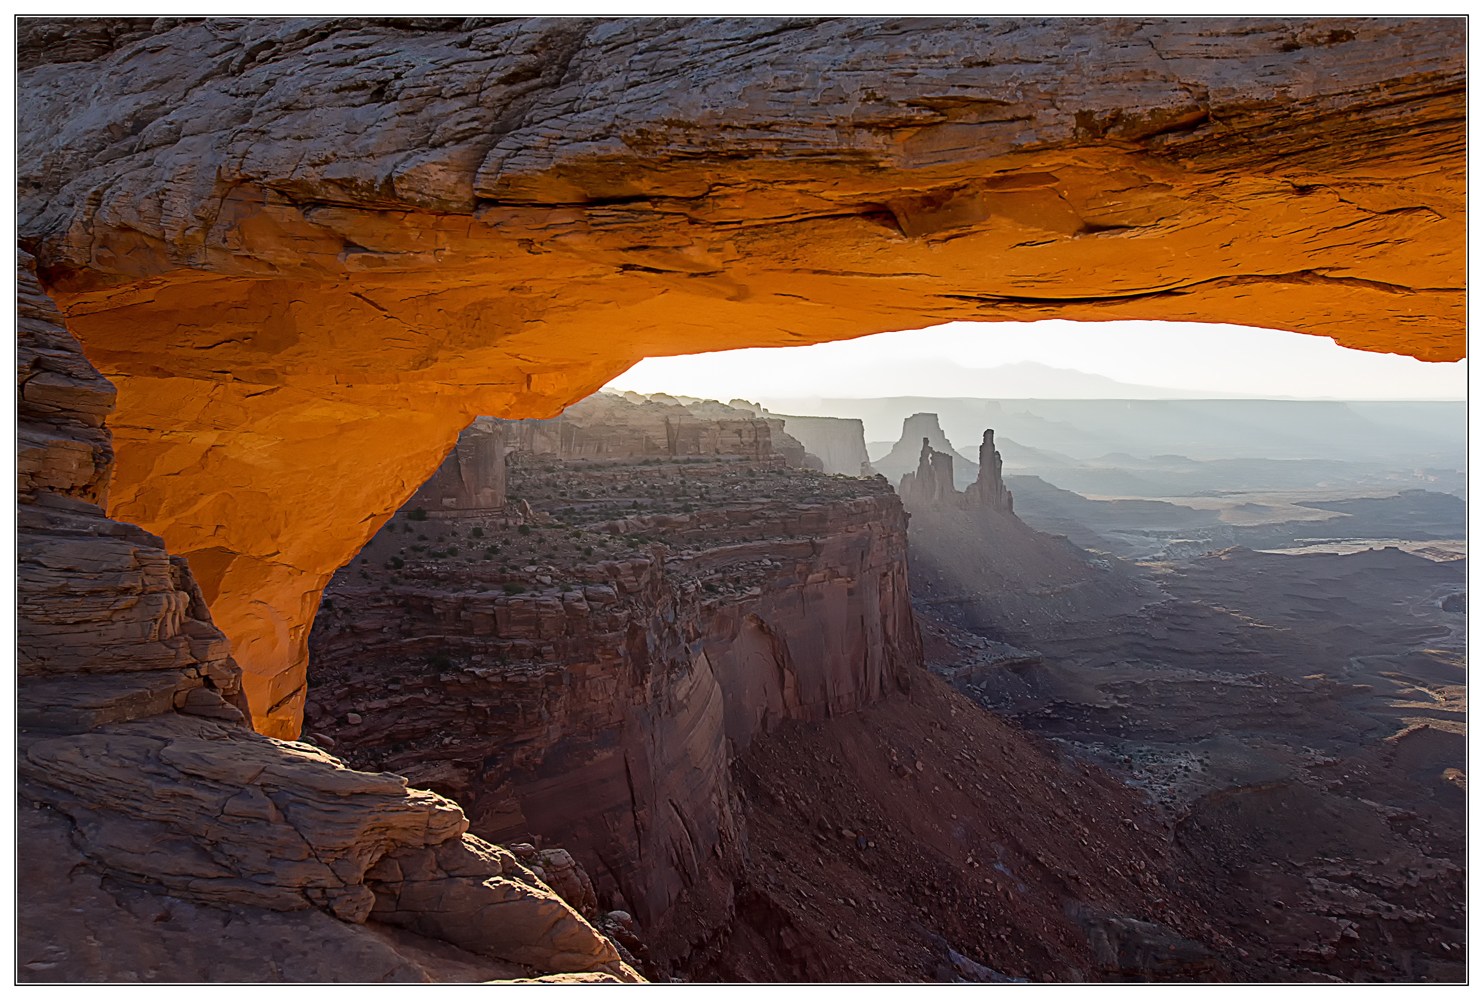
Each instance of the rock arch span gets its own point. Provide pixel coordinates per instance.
(308, 252)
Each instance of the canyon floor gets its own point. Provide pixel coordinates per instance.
(925, 839)
(1296, 719)
(1155, 769)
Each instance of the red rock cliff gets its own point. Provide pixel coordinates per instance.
(605, 716)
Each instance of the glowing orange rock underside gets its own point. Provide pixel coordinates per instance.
(267, 426)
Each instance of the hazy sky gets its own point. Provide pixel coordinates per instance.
(1209, 358)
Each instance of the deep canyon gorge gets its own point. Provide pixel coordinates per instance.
(371, 689)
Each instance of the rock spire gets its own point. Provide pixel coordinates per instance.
(988, 490)
(932, 484)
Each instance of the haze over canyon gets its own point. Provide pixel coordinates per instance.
(361, 638)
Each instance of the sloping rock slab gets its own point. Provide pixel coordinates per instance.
(207, 812)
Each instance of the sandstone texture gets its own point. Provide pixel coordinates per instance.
(110, 627)
(588, 679)
(308, 252)
(146, 797)
(193, 810)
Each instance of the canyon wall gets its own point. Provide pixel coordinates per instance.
(305, 248)
(109, 626)
(472, 477)
(838, 442)
(598, 702)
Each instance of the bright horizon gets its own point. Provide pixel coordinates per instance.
(1184, 360)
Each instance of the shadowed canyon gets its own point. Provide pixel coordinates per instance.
(356, 627)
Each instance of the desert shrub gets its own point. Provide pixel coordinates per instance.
(417, 514)
(514, 588)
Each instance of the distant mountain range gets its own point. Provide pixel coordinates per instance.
(1021, 380)
(1030, 380)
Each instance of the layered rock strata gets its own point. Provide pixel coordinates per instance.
(109, 626)
(215, 815)
(589, 681)
(606, 425)
(303, 248)
(144, 794)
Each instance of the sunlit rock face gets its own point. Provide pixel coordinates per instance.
(308, 252)
(143, 797)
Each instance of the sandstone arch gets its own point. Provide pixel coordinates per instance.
(308, 252)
